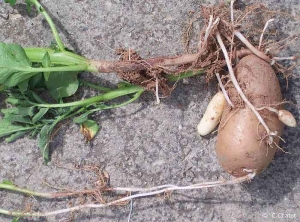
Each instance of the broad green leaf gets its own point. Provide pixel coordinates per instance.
(7, 182)
(7, 128)
(44, 140)
(13, 110)
(15, 66)
(13, 137)
(22, 111)
(16, 118)
(39, 115)
(26, 111)
(35, 97)
(89, 129)
(11, 2)
(15, 101)
(62, 84)
(12, 101)
(46, 63)
(23, 86)
(16, 95)
(2, 88)
(37, 81)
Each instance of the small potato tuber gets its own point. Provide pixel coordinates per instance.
(242, 142)
(212, 115)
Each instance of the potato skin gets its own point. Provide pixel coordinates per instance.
(239, 143)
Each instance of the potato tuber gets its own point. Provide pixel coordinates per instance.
(242, 143)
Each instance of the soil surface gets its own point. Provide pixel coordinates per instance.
(144, 144)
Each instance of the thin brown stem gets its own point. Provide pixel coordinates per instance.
(137, 65)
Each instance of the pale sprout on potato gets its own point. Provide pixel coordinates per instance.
(287, 118)
(284, 116)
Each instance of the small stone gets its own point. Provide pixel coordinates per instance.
(78, 180)
(184, 142)
(189, 176)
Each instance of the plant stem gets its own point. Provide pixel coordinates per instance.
(94, 86)
(183, 75)
(19, 213)
(57, 58)
(137, 65)
(103, 97)
(67, 115)
(73, 68)
(24, 191)
(41, 9)
(143, 192)
(134, 98)
(68, 58)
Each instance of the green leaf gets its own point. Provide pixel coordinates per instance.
(2, 88)
(13, 110)
(11, 2)
(23, 86)
(7, 128)
(36, 97)
(7, 182)
(26, 111)
(46, 60)
(29, 5)
(83, 117)
(39, 115)
(34, 133)
(123, 85)
(94, 86)
(15, 101)
(46, 63)
(16, 219)
(36, 81)
(13, 137)
(62, 84)
(22, 111)
(89, 129)
(15, 66)
(16, 118)
(44, 140)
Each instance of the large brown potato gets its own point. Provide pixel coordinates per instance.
(240, 143)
